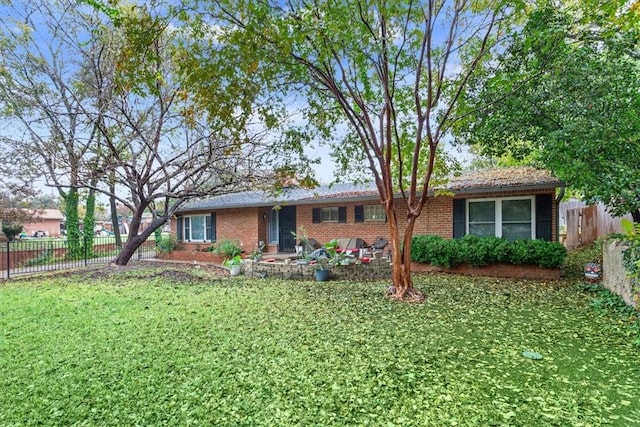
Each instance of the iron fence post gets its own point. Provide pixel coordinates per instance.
(8, 261)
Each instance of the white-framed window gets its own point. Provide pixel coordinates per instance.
(374, 213)
(329, 214)
(197, 228)
(511, 218)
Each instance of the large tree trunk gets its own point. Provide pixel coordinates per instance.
(402, 285)
(135, 240)
(115, 224)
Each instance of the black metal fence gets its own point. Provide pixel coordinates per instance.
(36, 255)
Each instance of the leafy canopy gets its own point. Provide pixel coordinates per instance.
(565, 93)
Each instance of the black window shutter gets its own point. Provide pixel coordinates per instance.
(459, 218)
(544, 208)
(180, 228)
(213, 226)
(359, 213)
(342, 214)
(316, 215)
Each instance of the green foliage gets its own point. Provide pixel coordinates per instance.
(380, 80)
(157, 235)
(236, 260)
(89, 223)
(573, 266)
(167, 244)
(608, 303)
(45, 257)
(71, 202)
(631, 255)
(150, 346)
(227, 248)
(479, 251)
(564, 95)
(11, 229)
(301, 237)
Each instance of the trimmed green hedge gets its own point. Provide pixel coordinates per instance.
(479, 251)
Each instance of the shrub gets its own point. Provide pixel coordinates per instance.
(479, 251)
(227, 248)
(45, 257)
(573, 266)
(11, 229)
(167, 244)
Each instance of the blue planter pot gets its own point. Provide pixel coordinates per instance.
(322, 275)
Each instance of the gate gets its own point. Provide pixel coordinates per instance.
(287, 218)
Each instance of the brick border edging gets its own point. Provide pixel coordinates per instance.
(494, 270)
(379, 269)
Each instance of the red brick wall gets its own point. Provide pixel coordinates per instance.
(246, 225)
(250, 225)
(436, 218)
(49, 226)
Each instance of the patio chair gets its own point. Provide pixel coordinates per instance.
(376, 247)
(379, 244)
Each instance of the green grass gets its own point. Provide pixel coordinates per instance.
(146, 347)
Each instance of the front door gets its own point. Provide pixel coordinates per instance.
(286, 241)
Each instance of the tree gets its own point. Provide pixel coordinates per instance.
(390, 72)
(160, 148)
(16, 189)
(42, 47)
(566, 93)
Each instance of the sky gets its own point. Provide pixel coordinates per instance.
(325, 171)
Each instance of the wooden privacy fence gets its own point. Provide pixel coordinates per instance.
(581, 224)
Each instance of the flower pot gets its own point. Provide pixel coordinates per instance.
(235, 270)
(322, 275)
(592, 271)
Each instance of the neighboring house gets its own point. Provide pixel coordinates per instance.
(514, 203)
(48, 221)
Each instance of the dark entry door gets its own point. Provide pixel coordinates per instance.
(287, 217)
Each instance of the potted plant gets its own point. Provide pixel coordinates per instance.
(234, 265)
(257, 254)
(227, 248)
(304, 245)
(320, 269)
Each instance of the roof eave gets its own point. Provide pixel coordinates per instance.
(507, 188)
(374, 197)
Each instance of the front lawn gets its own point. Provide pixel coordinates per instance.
(143, 346)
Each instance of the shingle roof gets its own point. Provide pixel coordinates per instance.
(503, 179)
(343, 191)
(44, 214)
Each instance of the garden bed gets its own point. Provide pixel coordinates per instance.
(195, 256)
(494, 270)
(374, 269)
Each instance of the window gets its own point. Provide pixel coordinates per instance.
(482, 218)
(329, 214)
(198, 228)
(274, 228)
(332, 214)
(511, 219)
(374, 213)
(517, 218)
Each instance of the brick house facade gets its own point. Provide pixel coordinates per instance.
(346, 210)
(48, 221)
